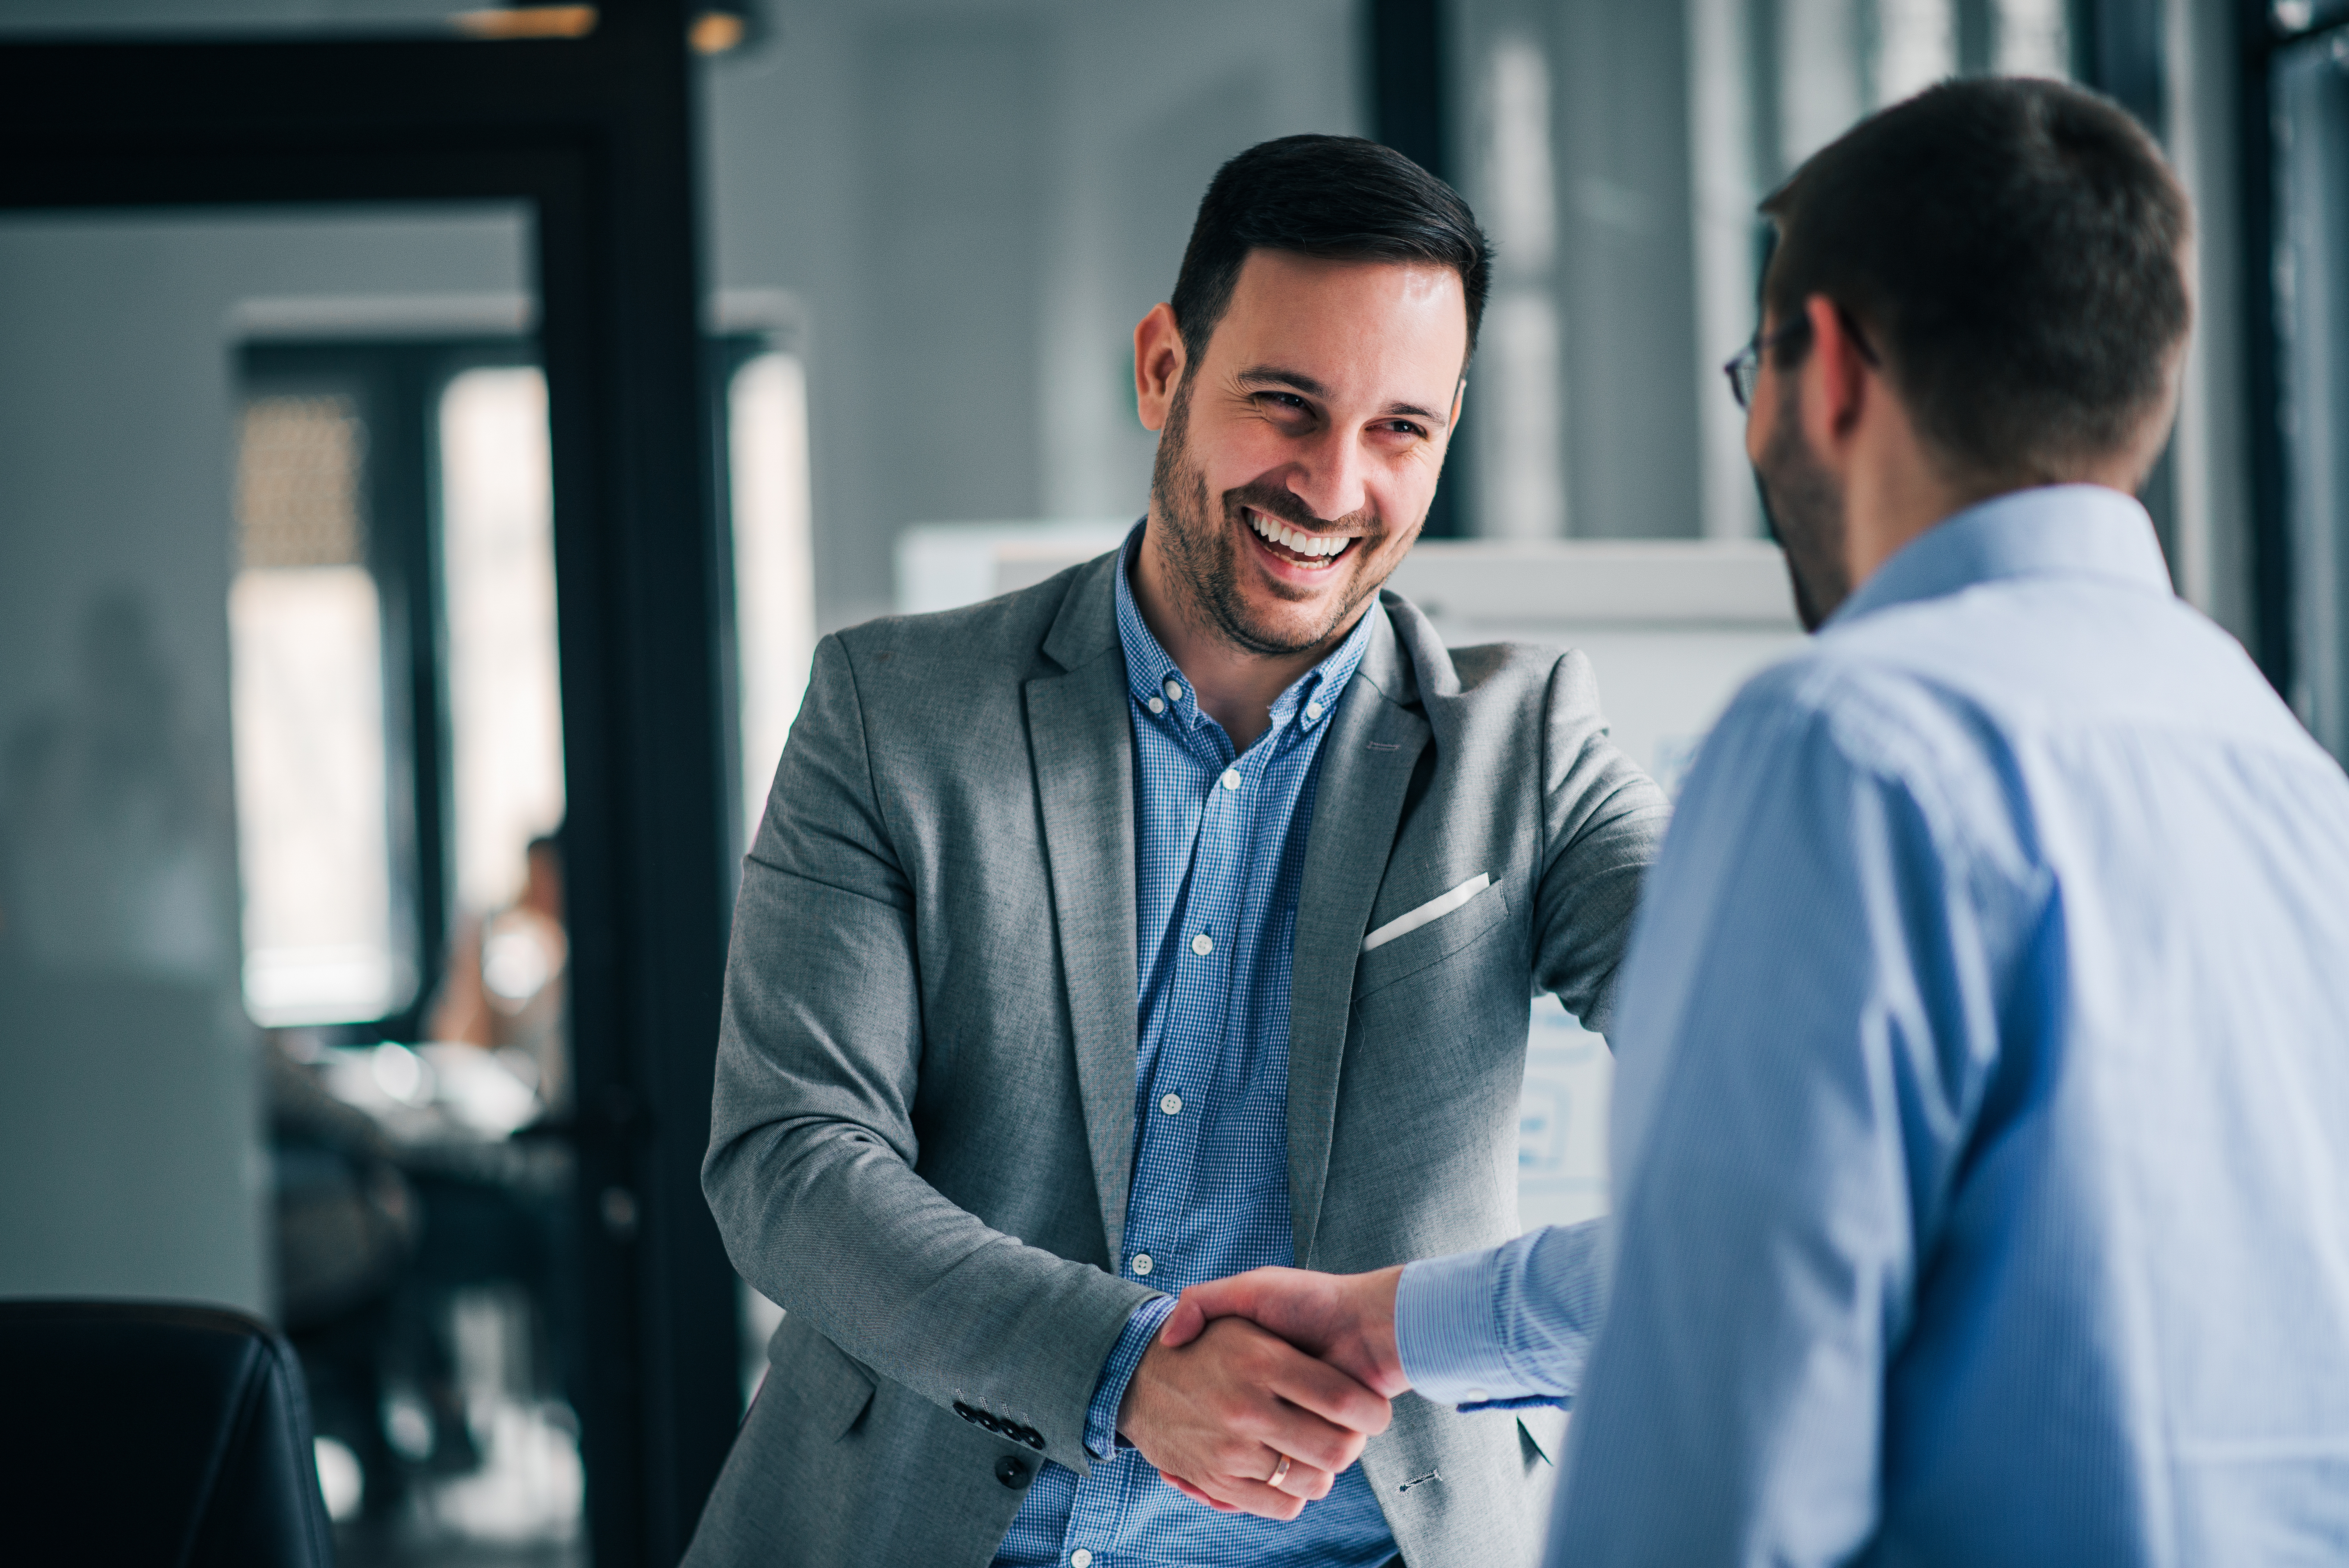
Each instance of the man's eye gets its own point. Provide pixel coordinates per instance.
(1403, 428)
(1286, 402)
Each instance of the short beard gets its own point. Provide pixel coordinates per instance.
(1804, 506)
(1199, 550)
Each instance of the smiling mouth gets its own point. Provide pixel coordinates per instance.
(1314, 550)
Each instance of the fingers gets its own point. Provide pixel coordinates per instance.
(1217, 1415)
(1183, 1325)
(1318, 1387)
(1238, 1494)
(1307, 1483)
(1255, 1497)
(1347, 1320)
(1194, 1494)
(1236, 1296)
(1317, 1415)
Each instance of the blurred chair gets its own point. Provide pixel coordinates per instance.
(144, 1435)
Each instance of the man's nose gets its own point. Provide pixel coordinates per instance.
(1330, 477)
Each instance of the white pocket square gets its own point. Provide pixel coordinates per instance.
(1433, 909)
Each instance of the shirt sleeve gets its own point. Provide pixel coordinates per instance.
(1100, 1416)
(1809, 1019)
(1504, 1328)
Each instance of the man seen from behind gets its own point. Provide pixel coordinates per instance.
(1982, 1130)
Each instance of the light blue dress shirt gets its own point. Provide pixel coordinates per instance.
(1219, 853)
(1982, 1122)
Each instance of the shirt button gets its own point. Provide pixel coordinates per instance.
(1312, 710)
(1157, 704)
(1171, 1104)
(1141, 1264)
(1080, 1557)
(1231, 780)
(1473, 1397)
(1203, 944)
(1174, 694)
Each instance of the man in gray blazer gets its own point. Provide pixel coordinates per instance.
(1172, 918)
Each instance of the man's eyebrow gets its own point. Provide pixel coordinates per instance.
(1273, 376)
(1276, 375)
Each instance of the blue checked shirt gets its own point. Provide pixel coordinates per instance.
(1219, 853)
(1982, 1107)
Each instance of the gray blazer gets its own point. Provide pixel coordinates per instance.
(923, 1121)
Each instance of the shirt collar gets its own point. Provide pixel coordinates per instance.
(2054, 530)
(1153, 678)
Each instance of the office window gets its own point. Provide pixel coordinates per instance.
(306, 704)
(1616, 154)
(497, 555)
(1521, 417)
(775, 584)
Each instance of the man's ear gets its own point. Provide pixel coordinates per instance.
(1158, 364)
(1838, 377)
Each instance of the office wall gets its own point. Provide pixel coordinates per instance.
(973, 203)
(130, 1157)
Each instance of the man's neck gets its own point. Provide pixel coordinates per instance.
(1235, 687)
(1898, 487)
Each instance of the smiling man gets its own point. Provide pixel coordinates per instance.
(1173, 918)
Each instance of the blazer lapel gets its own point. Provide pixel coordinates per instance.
(1080, 744)
(1374, 743)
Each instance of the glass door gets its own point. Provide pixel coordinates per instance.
(284, 952)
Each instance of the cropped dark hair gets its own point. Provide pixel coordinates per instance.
(2013, 250)
(1339, 198)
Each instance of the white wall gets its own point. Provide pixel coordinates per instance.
(974, 203)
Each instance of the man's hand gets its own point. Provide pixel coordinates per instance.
(1347, 1320)
(1218, 1413)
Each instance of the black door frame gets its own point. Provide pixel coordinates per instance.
(2258, 40)
(595, 137)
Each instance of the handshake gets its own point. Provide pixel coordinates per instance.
(1262, 1387)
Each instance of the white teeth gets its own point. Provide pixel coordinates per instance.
(1303, 543)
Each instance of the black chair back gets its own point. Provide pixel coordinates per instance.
(138, 1435)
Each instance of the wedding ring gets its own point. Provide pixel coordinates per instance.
(1279, 1471)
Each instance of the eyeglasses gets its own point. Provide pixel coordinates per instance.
(1745, 366)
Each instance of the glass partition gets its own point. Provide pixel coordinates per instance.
(280, 752)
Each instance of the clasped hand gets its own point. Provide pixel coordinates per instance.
(1270, 1365)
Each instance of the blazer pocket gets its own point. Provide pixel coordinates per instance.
(1431, 944)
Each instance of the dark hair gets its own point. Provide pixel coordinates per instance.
(1339, 198)
(2014, 251)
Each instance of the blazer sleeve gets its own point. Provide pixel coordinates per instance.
(811, 1164)
(1603, 823)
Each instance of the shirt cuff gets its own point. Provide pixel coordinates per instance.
(1446, 1333)
(1507, 1327)
(1100, 1416)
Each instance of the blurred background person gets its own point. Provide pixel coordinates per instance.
(505, 987)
